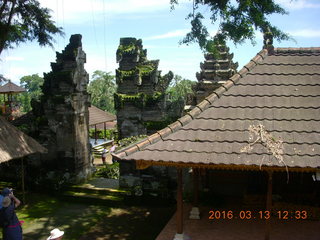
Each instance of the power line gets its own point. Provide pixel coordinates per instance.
(104, 35)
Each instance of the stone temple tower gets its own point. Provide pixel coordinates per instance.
(140, 100)
(216, 69)
(62, 114)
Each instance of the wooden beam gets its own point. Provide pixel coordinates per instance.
(22, 182)
(179, 202)
(269, 205)
(105, 129)
(95, 134)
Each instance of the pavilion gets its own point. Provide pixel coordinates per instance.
(8, 90)
(14, 144)
(100, 119)
(278, 91)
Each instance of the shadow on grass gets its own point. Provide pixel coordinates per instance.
(90, 220)
(134, 223)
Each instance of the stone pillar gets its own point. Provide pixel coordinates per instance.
(64, 117)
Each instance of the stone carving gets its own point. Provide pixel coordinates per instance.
(140, 99)
(216, 70)
(268, 41)
(62, 114)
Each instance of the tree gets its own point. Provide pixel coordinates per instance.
(102, 88)
(32, 83)
(237, 20)
(179, 88)
(25, 20)
(2, 79)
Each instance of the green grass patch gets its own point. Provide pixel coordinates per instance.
(90, 220)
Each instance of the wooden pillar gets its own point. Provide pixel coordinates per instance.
(195, 187)
(195, 213)
(22, 182)
(179, 202)
(95, 134)
(269, 205)
(105, 129)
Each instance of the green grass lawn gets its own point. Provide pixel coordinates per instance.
(83, 221)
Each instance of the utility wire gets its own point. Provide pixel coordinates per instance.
(104, 35)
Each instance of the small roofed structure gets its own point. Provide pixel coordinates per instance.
(98, 116)
(277, 95)
(100, 119)
(16, 144)
(8, 90)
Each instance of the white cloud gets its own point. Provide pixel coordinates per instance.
(96, 62)
(13, 58)
(307, 33)
(15, 73)
(298, 4)
(172, 34)
(70, 10)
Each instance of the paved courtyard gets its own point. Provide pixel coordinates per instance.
(236, 229)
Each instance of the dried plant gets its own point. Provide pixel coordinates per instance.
(258, 134)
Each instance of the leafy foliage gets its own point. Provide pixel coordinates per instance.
(179, 88)
(102, 88)
(32, 83)
(109, 171)
(125, 142)
(237, 21)
(25, 20)
(2, 79)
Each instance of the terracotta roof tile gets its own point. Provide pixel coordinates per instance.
(185, 120)
(194, 112)
(154, 137)
(143, 144)
(175, 126)
(243, 72)
(131, 150)
(228, 85)
(211, 98)
(250, 65)
(235, 78)
(164, 132)
(203, 105)
(220, 91)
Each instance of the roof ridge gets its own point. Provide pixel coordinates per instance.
(199, 108)
(298, 50)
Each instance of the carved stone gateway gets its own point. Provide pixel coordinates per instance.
(140, 99)
(62, 114)
(216, 70)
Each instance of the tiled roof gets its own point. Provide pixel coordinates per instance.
(14, 143)
(10, 87)
(97, 116)
(280, 91)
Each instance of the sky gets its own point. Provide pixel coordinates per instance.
(103, 22)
